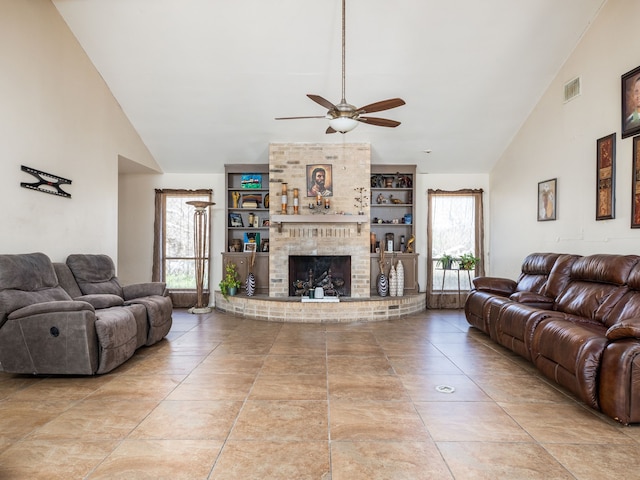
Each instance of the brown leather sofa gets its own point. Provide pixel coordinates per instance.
(577, 318)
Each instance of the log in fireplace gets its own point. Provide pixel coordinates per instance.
(331, 272)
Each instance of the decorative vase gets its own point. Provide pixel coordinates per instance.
(382, 285)
(232, 291)
(400, 277)
(393, 282)
(250, 285)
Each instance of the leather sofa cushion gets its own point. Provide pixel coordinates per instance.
(535, 270)
(94, 274)
(11, 300)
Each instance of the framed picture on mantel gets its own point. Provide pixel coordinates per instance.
(605, 177)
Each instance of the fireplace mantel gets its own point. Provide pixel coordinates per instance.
(278, 220)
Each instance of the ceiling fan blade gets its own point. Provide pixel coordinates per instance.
(383, 105)
(322, 101)
(381, 122)
(330, 130)
(297, 118)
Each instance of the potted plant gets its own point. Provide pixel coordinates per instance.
(231, 281)
(468, 261)
(445, 261)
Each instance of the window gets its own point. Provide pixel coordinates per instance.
(174, 254)
(454, 228)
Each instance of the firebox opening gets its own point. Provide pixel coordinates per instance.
(331, 272)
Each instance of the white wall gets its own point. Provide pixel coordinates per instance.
(137, 194)
(57, 116)
(559, 141)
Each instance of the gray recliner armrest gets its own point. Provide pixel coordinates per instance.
(138, 290)
(50, 307)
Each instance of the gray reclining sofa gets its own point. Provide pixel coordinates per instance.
(74, 318)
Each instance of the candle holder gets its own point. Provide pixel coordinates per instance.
(285, 200)
(296, 201)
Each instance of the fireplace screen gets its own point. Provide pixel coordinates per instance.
(331, 272)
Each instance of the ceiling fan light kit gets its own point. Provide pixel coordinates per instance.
(344, 117)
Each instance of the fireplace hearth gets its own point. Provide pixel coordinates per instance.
(331, 272)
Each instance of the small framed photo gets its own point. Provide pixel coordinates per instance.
(235, 220)
(635, 184)
(605, 177)
(630, 107)
(251, 180)
(265, 222)
(250, 247)
(547, 197)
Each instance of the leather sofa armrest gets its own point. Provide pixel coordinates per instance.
(533, 299)
(627, 328)
(138, 290)
(500, 286)
(50, 307)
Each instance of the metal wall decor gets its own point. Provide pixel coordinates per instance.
(47, 182)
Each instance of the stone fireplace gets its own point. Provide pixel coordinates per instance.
(339, 231)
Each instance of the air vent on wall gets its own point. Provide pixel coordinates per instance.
(571, 89)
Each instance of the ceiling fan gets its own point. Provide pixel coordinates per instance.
(344, 117)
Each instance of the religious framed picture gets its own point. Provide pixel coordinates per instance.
(630, 109)
(635, 184)
(605, 177)
(319, 180)
(547, 198)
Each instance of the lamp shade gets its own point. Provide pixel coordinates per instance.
(343, 124)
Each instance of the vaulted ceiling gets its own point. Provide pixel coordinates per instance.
(203, 80)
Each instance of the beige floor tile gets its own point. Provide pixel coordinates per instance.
(159, 459)
(369, 420)
(18, 418)
(409, 364)
(422, 388)
(520, 389)
(488, 364)
(371, 387)
(289, 387)
(59, 388)
(97, 420)
(213, 387)
(230, 364)
(134, 387)
(565, 423)
(59, 460)
(599, 462)
(502, 461)
(470, 421)
(189, 420)
(243, 347)
(279, 420)
(298, 347)
(295, 365)
(166, 365)
(263, 460)
(387, 461)
(359, 365)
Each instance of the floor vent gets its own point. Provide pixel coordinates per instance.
(571, 89)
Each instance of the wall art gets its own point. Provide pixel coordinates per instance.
(547, 200)
(605, 177)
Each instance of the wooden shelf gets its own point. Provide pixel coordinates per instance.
(278, 220)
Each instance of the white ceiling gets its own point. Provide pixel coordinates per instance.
(202, 80)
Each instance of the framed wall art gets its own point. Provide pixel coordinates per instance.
(605, 177)
(635, 184)
(630, 108)
(319, 180)
(547, 198)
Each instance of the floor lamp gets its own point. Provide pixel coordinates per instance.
(200, 229)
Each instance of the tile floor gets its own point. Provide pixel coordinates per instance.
(229, 398)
